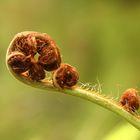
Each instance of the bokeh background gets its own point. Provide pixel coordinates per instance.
(101, 39)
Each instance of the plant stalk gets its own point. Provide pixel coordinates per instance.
(91, 96)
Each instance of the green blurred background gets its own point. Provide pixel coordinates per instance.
(100, 38)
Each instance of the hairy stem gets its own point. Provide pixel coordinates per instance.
(87, 95)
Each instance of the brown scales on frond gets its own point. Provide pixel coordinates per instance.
(25, 46)
(130, 100)
(65, 76)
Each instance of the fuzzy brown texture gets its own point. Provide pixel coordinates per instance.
(25, 44)
(130, 100)
(19, 63)
(50, 59)
(41, 44)
(36, 72)
(66, 76)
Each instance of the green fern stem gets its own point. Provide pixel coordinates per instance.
(91, 96)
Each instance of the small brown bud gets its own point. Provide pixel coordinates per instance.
(50, 59)
(36, 72)
(66, 76)
(25, 44)
(130, 100)
(19, 62)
